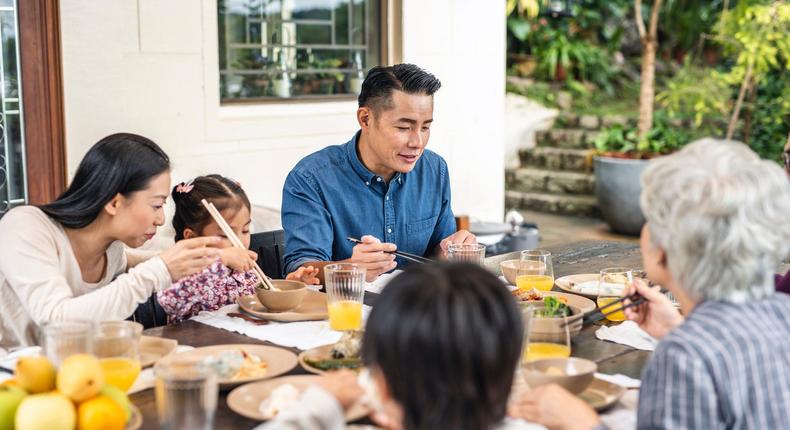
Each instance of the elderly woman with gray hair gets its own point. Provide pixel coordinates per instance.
(716, 229)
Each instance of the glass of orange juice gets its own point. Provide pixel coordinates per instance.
(345, 290)
(535, 271)
(612, 285)
(117, 346)
(544, 337)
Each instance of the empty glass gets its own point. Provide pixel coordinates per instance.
(61, 339)
(186, 395)
(117, 346)
(345, 291)
(467, 253)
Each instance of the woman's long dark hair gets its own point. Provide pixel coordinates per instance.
(121, 163)
(190, 213)
(447, 339)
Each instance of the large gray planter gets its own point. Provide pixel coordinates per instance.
(617, 188)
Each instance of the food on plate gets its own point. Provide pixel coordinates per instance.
(344, 354)
(553, 307)
(589, 287)
(532, 295)
(349, 345)
(280, 399)
(236, 364)
(329, 364)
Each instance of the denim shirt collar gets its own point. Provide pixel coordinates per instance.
(366, 175)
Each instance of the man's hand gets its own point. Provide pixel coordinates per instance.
(374, 256)
(555, 408)
(460, 236)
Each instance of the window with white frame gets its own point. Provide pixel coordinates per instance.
(273, 50)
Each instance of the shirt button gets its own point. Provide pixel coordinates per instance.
(389, 230)
(367, 183)
(386, 197)
(378, 179)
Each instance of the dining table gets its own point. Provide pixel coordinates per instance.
(573, 258)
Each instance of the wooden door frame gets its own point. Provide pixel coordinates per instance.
(42, 98)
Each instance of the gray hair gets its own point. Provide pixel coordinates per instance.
(720, 214)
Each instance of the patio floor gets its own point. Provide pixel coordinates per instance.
(562, 229)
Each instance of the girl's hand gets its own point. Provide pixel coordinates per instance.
(190, 256)
(656, 316)
(240, 260)
(307, 274)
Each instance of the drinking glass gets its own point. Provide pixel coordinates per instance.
(467, 253)
(613, 283)
(547, 338)
(62, 339)
(345, 291)
(535, 271)
(117, 346)
(186, 395)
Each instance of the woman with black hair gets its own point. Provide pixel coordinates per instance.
(441, 344)
(69, 259)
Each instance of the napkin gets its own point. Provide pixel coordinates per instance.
(146, 378)
(378, 285)
(303, 334)
(620, 379)
(627, 333)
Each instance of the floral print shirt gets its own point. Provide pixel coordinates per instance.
(209, 290)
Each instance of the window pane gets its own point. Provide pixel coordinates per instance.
(12, 160)
(279, 49)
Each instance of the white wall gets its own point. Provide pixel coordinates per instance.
(150, 67)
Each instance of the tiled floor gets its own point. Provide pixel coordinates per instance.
(560, 229)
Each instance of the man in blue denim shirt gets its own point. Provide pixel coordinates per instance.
(382, 186)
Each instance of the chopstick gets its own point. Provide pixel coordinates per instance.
(404, 255)
(6, 370)
(234, 240)
(598, 314)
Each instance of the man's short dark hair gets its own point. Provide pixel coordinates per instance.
(382, 80)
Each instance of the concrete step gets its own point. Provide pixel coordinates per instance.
(549, 181)
(569, 138)
(578, 160)
(552, 203)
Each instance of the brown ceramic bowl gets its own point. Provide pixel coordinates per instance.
(573, 374)
(289, 296)
(544, 329)
(510, 268)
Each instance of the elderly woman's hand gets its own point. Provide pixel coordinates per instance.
(657, 316)
(555, 408)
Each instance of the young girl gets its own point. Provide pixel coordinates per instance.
(230, 276)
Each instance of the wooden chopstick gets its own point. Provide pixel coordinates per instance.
(598, 314)
(404, 255)
(234, 240)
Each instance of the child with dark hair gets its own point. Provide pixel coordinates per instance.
(441, 346)
(230, 276)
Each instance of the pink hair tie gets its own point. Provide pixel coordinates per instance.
(184, 188)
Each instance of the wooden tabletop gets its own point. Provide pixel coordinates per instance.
(574, 258)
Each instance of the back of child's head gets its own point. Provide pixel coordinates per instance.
(190, 213)
(447, 339)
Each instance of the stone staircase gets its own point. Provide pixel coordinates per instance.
(556, 175)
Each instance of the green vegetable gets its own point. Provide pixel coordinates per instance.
(335, 363)
(553, 308)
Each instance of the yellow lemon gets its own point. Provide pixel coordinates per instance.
(80, 377)
(100, 413)
(35, 374)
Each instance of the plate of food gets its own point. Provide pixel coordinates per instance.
(153, 349)
(236, 364)
(264, 400)
(342, 355)
(584, 304)
(584, 284)
(312, 308)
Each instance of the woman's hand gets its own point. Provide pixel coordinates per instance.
(342, 384)
(240, 260)
(657, 316)
(190, 256)
(555, 408)
(306, 274)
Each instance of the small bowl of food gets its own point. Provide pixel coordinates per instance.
(550, 316)
(286, 295)
(512, 268)
(573, 374)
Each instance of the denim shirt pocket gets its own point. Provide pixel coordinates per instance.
(418, 233)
